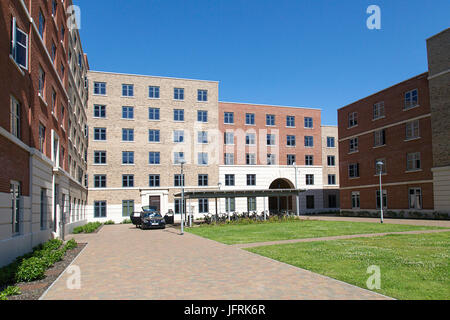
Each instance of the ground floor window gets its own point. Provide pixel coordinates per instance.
(99, 209)
(127, 207)
(415, 198)
(384, 199)
(332, 201)
(203, 206)
(355, 200)
(15, 206)
(178, 206)
(230, 204)
(43, 208)
(309, 202)
(251, 204)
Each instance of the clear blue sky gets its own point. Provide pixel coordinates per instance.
(311, 53)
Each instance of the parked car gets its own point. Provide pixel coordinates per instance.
(149, 217)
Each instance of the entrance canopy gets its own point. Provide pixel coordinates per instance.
(240, 193)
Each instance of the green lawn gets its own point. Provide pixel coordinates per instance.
(412, 266)
(233, 234)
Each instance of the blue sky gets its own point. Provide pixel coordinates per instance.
(311, 53)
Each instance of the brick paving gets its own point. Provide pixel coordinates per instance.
(122, 262)
(367, 235)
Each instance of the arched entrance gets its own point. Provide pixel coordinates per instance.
(281, 203)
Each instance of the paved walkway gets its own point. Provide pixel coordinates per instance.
(367, 235)
(122, 262)
(417, 222)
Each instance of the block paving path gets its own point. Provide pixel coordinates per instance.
(122, 262)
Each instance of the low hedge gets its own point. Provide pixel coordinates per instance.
(87, 228)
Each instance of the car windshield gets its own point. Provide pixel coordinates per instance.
(152, 215)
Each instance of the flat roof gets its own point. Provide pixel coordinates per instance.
(150, 76)
(268, 105)
(240, 193)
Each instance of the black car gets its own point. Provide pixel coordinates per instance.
(150, 218)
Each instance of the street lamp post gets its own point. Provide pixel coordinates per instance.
(380, 166)
(296, 197)
(182, 162)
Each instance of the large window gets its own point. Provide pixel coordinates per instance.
(331, 162)
(153, 92)
(378, 110)
(178, 115)
(19, 48)
(251, 179)
(100, 134)
(411, 99)
(43, 209)
(99, 209)
(271, 139)
(127, 134)
(331, 142)
(100, 88)
(153, 113)
(331, 179)
(153, 157)
(412, 130)
(153, 135)
(202, 137)
(100, 181)
(15, 117)
(202, 116)
(250, 158)
(270, 120)
(353, 145)
(99, 111)
(127, 157)
(309, 160)
(41, 138)
(203, 180)
(127, 207)
(308, 122)
(41, 88)
(250, 139)
(415, 198)
(309, 141)
(290, 141)
(309, 179)
(154, 180)
(202, 158)
(203, 206)
(413, 161)
(310, 202)
(250, 118)
(229, 179)
(251, 204)
(178, 136)
(290, 121)
(379, 138)
(178, 93)
(229, 117)
(127, 112)
(290, 159)
(100, 157)
(271, 159)
(127, 180)
(230, 204)
(127, 90)
(355, 200)
(229, 138)
(229, 158)
(178, 180)
(353, 170)
(352, 119)
(202, 95)
(41, 27)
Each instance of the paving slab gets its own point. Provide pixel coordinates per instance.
(122, 262)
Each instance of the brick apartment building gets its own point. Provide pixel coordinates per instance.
(404, 128)
(37, 191)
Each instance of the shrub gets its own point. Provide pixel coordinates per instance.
(71, 244)
(87, 228)
(31, 269)
(109, 222)
(51, 256)
(11, 291)
(52, 244)
(126, 221)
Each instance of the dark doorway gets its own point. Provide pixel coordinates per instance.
(155, 201)
(282, 203)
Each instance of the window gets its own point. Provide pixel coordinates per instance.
(127, 207)
(309, 202)
(127, 180)
(353, 145)
(412, 130)
(179, 205)
(379, 138)
(352, 119)
(127, 90)
(413, 161)
(41, 28)
(178, 115)
(290, 121)
(332, 201)
(100, 181)
(153, 135)
(202, 95)
(229, 117)
(178, 180)
(19, 46)
(309, 179)
(229, 138)
(202, 116)
(99, 209)
(41, 88)
(153, 180)
(100, 134)
(178, 157)
(251, 179)
(309, 160)
(308, 122)
(203, 180)
(270, 139)
(43, 209)
(203, 206)
(331, 179)
(15, 117)
(331, 161)
(271, 160)
(229, 158)
(355, 200)
(41, 137)
(415, 198)
(127, 134)
(127, 157)
(378, 110)
(250, 158)
(53, 101)
(380, 167)
(202, 158)
(53, 52)
(250, 118)
(384, 199)
(411, 99)
(230, 204)
(100, 157)
(353, 170)
(331, 142)
(250, 139)
(127, 112)
(202, 137)
(153, 113)
(290, 159)
(290, 141)
(15, 191)
(178, 93)
(153, 157)
(178, 136)
(309, 141)
(99, 111)
(270, 120)
(153, 92)
(229, 179)
(251, 204)
(62, 116)
(100, 88)
(54, 6)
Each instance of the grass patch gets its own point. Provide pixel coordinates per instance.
(87, 228)
(296, 229)
(412, 266)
